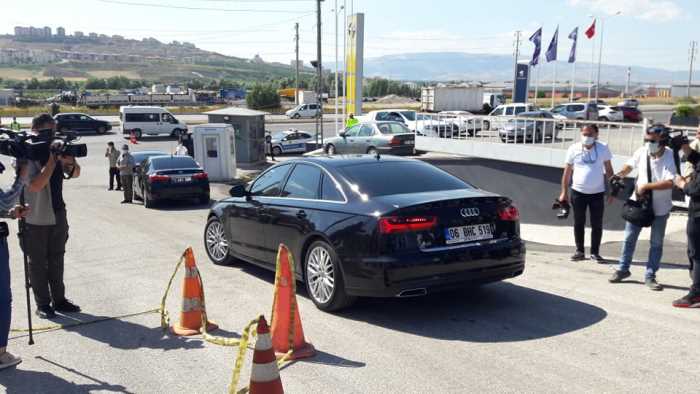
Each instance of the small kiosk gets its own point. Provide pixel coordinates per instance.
(249, 126)
(215, 150)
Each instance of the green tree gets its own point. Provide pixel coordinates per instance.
(262, 96)
(96, 83)
(33, 84)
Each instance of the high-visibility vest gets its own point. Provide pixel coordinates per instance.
(15, 126)
(351, 122)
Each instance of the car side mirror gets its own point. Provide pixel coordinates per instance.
(238, 191)
(342, 134)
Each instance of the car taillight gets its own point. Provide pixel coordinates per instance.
(395, 141)
(158, 178)
(395, 224)
(200, 176)
(509, 213)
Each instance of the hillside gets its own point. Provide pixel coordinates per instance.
(446, 66)
(149, 59)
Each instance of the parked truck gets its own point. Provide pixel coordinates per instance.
(102, 100)
(452, 98)
(307, 97)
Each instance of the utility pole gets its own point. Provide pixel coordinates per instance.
(515, 62)
(693, 53)
(296, 64)
(627, 83)
(335, 121)
(320, 68)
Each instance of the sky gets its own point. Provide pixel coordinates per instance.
(651, 33)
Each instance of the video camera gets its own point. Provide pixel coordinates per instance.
(38, 147)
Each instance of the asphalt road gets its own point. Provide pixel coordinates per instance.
(558, 328)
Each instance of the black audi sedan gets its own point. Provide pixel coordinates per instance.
(170, 178)
(80, 123)
(374, 226)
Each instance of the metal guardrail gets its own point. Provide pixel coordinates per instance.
(622, 138)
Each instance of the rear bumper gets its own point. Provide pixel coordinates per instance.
(179, 193)
(429, 272)
(396, 150)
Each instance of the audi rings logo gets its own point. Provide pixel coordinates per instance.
(469, 212)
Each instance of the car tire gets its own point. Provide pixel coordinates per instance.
(504, 140)
(296, 116)
(321, 257)
(101, 130)
(215, 242)
(277, 151)
(372, 151)
(486, 126)
(603, 119)
(330, 149)
(538, 136)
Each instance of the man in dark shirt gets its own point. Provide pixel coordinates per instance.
(47, 225)
(691, 187)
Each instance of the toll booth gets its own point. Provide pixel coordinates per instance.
(215, 150)
(249, 129)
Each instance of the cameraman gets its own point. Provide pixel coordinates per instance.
(587, 167)
(691, 187)
(8, 210)
(47, 224)
(659, 157)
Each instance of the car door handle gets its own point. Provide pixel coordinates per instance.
(301, 214)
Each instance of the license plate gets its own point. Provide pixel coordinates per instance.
(475, 232)
(409, 142)
(183, 179)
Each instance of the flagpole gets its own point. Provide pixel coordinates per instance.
(590, 79)
(554, 82)
(573, 82)
(537, 83)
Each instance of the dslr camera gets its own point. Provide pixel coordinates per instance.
(23, 146)
(562, 207)
(616, 185)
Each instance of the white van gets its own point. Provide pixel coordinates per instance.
(149, 121)
(304, 111)
(500, 116)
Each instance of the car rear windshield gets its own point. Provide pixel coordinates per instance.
(393, 128)
(173, 163)
(385, 178)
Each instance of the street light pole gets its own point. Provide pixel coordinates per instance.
(320, 68)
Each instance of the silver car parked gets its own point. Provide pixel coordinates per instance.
(373, 137)
(527, 127)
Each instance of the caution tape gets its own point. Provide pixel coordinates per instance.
(56, 327)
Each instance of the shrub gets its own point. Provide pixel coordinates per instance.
(685, 111)
(262, 96)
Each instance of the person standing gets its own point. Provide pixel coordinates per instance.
(15, 124)
(653, 158)
(7, 201)
(351, 121)
(588, 164)
(112, 155)
(126, 164)
(180, 149)
(268, 147)
(47, 224)
(690, 184)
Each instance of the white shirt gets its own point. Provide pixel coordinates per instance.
(662, 169)
(181, 150)
(589, 167)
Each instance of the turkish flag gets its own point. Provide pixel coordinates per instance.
(591, 30)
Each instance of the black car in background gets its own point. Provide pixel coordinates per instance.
(80, 123)
(364, 226)
(170, 178)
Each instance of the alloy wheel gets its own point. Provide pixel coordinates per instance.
(216, 242)
(320, 275)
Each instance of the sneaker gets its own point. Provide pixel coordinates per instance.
(652, 284)
(67, 307)
(618, 276)
(578, 256)
(119, 189)
(110, 189)
(45, 312)
(690, 300)
(598, 258)
(8, 360)
(126, 202)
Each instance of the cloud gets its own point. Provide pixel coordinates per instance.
(652, 10)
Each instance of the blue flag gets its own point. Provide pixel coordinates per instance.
(551, 54)
(572, 54)
(536, 39)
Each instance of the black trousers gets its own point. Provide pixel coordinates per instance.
(114, 173)
(46, 246)
(693, 231)
(581, 203)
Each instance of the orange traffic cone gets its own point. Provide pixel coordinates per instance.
(192, 301)
(284, 304)
(132, 138)
(265, 375)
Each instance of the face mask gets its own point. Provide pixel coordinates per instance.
(587, 140)
(652, 147)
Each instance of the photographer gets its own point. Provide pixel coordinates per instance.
(47, 224)
(587, 167)
(654, 159)
(690, 185)
(8, 210)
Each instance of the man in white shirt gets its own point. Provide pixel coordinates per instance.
(180, 149)
(587, 169)
(659, 187)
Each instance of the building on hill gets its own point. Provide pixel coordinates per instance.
(61, 32)
(78, 34)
